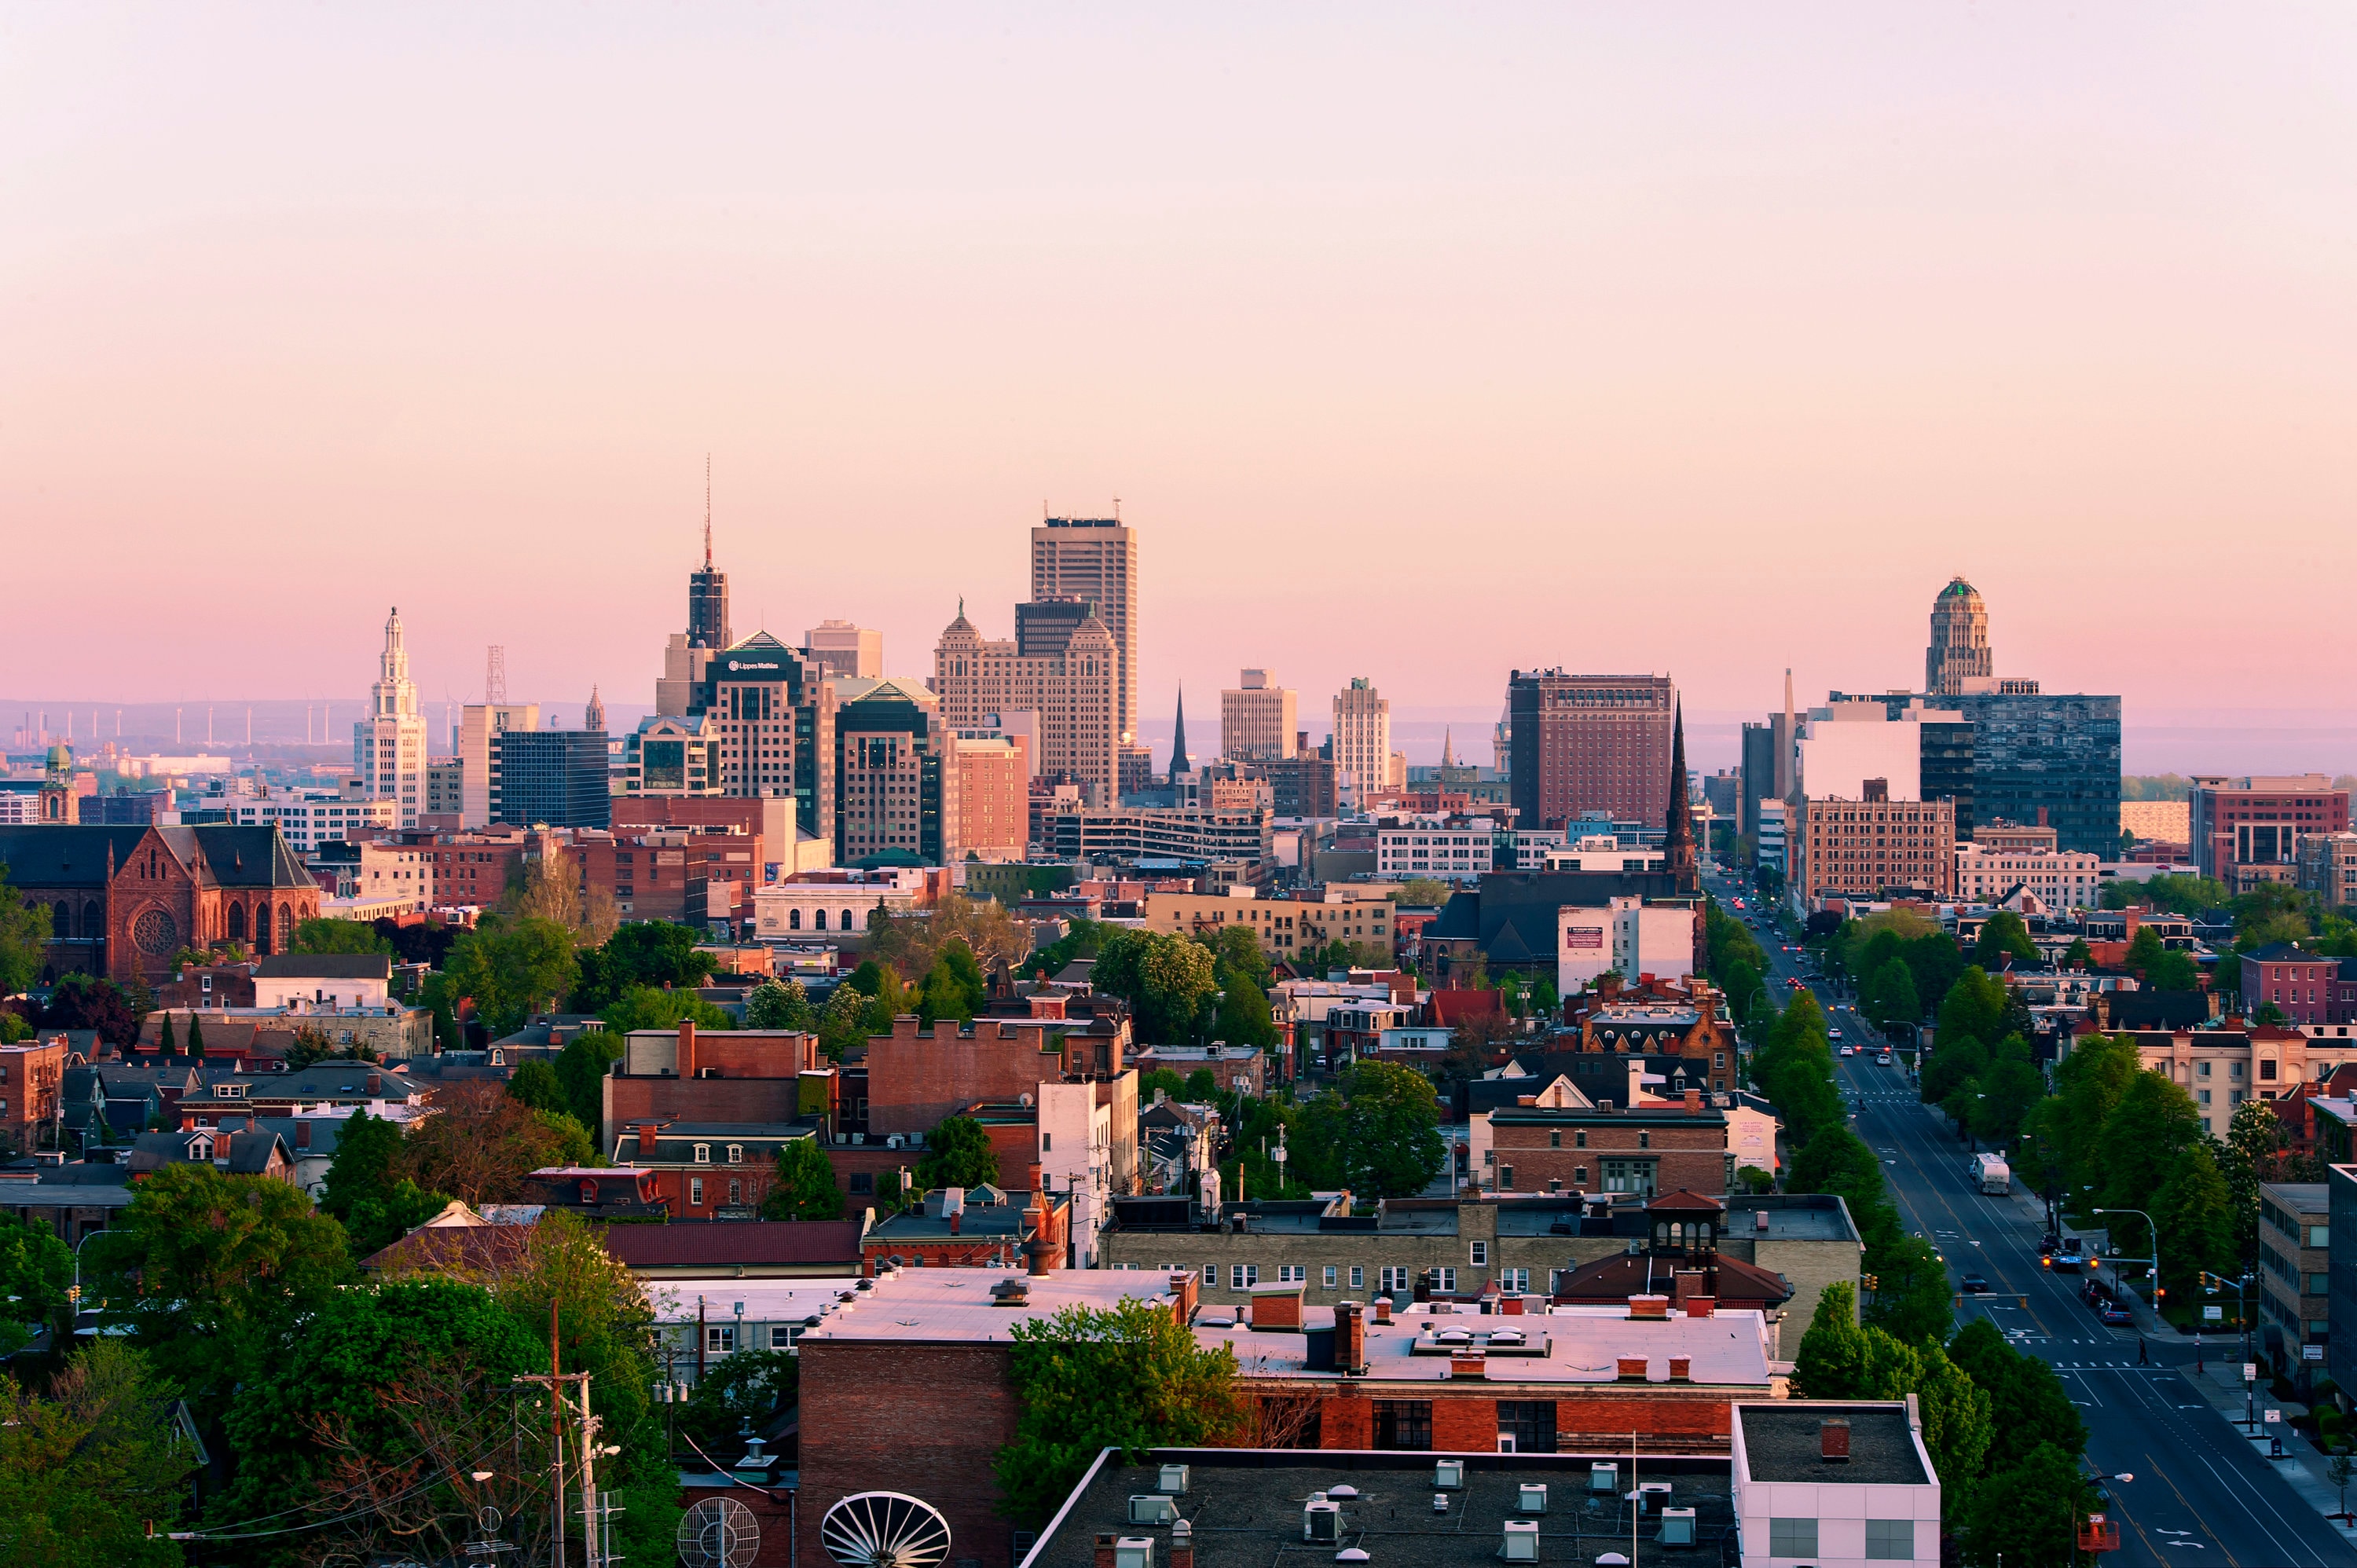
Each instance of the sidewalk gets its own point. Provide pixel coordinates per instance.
(2222, 1384)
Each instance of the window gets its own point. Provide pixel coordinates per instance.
(1505, 1178)
(2319, 1235)
(735, 1154)
(736, 1192)
(1791, 1538)
(720, 1338)
(863, 1184)
(1530, 1423)
(695, 1189)
(1242, 1276)
(1514, 1279)
(1330, 1272)
(2201, 1069)
(783, 1335)
(1481, 1254)
(2267, 1069)
(703, 1154)
(1629, 1176)
(1890, 1541)
(1555, 1137)
(1291, 1274)
(1393, 1278)
(1047, 1141)
(1357, 1279)
(1644, 1139)
(1579, 1176)
(2203, 1095)
(1444, 1281)
(1404, 1424)
(1579, 1139)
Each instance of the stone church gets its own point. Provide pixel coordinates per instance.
(123, 900)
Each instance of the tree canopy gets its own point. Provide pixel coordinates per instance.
(24, 937)
(512, 967)
(958, 1153)
(320, 934)
(656, 953)
(92, 1473)
(1376, 1130)
(805, 1185)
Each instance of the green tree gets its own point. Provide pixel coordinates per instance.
(1166, 978)
(2010, 1090)
(2078, 956)
(581, 1069)
(654, 953)
(1242, 1017)
(370, 1189)
(167, 1048)
(1974, 1008)
(2257, 1141)
(2194, 1212)
(1910, 1293)
(204, 1267)
(24, 937)
(1130, 1376)
(321, 935)
(1376, 1131)
(2154, 1123)
(745, 1386)
(80, 1001)
(2088, 1083)
(1895, 999)
(536, 1084)
(1166, 1081)
(1423, 893)
(805, 1186)
(36, 1270)
(195, 1037)
(2028, 1512)
(644, 1007)
(778, 1004)
(958, 1153)
(2028, 1404)
(1831, 1364)
(943, 999)
(2004, 936)
(91, 1472)
(1794, 1067)
(512, 966)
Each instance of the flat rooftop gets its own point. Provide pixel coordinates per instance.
(1781, 1443)
(1245, 1508)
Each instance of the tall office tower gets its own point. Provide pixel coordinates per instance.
(552, 778)
(2046, 759)
(687, 656)
(1960, 641)
(1095, 558)
(1759, 776)
(1075, 690)
(389, 745)
(897, 776)
(775, 716)
(1590, 743)
(480, 725)
(846, 651)
(1362, 736)
(1257, 719)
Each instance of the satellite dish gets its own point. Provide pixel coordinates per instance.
(718, 1532)
(883, 1530)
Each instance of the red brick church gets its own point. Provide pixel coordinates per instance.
(123, 900)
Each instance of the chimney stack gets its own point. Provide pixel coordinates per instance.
(647, 1139)
(1185, 1292)
(1035, 1220)
(1833, 1440)
(686, 1063)
(302, 1134)
(1350, 1337)
(1693, 1101)
(1182, 1544)
(1105, 1551)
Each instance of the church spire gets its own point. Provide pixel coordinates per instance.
(1178, 762)
(1677, 841)
(1447, 757)
(594, 719)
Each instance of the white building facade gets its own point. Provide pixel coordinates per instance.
(389, 745)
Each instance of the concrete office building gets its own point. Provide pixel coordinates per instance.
(1095, 559)
(1363, 738)
(1257, 719)
(1873, 846)
(1073, 685)
(1590, 743)
(554, 777)
(666, 755)
(389, 745)
(844, 651)
(2247, 831)
(896, 784)
(479, 726)
(775, 713)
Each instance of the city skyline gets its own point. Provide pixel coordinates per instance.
(2025, 327)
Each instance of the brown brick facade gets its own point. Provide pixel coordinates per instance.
(1593, 1151)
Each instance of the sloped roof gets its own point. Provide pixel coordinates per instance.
(50, 856)
(1625, 1274)
(725, 1245)
(326, 966)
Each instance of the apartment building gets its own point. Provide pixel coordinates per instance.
(2295, 1272)
(1257, 718)
(1285, 927)
(1864, 848)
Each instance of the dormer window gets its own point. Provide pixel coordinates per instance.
(735, 1154)
(703, 1154)
(589, 1192)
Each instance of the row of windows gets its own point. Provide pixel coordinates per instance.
(1887, 1539)
(1390, 1278)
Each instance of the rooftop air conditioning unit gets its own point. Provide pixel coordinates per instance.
(1151, 1507)
(1521, 1543)
(1604, 1477)
(1321, 1522)
(1531, 1498)
(1449, 1475)
(1677, 1527)
(1134, 1551)
(1174, 1480)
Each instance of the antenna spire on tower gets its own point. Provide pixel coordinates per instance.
(707, 512)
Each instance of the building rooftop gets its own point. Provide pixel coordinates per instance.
(1244, 1508)
(730, 1246)
(1564, 1345)
(1782, 1442)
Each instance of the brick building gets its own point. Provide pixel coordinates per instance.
(471, 869)
(123, 901)
(1590, 743)
(2301, 986)
(1873, 846)
(715, 1076)
(31, 1076)
(709, 1170)
(982, 1228)
(2247, 831)
(1642, 1150)
(910, 1391)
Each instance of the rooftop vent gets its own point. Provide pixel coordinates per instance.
(1010, 1293)
(1531, 1498)
(1134, 1551)
(1174, 1480)
(1677, 1527)
(1604, 1477)
(1321, 1522)
(1449, 1475)
(1521, 1543)
(1352, 1554)
(1833, 1440)
(1343, 1493)
(1151, 1507)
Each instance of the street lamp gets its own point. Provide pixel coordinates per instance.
(2250, 1382)
(2155, 1265)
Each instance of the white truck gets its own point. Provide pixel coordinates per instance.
(1990, 1174)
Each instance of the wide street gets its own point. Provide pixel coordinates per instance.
(2201, 1494)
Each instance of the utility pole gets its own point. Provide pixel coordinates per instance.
(555, 1378)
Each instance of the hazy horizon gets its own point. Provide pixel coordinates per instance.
(1417, 345)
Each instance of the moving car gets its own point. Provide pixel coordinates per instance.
(2067, 1257)
(1884, 1059)
(1976, 1285)
(1849, 1051)
(2117, 1315)
(1833, 1033)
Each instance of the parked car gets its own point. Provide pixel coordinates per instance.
(2116, 1315)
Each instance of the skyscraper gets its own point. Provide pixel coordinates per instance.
(1259, 719)
(1075, 690)
(1362, 736)
(480, 725)
(389, 745)
(775, 716)
(550, 776)
(1095, 558)
(1960, 641)
(1590, 743)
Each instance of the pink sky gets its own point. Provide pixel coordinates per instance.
(1421, 342)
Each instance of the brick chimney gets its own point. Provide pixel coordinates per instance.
(1469, 1364)
(1035, 1220)
(1833, 1440)
(1349, 1335)
(1383, 1309)
(956, 1215)
(1185, 1292)
(1681, 1370)
(302, 1134)
(1510, 1304)
(647, 1139)
(1649, 1307)
(1630, 1368)
(1702, 1307)
(1693, 1101)
(686, 1062)
(1105, 1551)
(1182, 1544)
(375, 1083)
(1684, 1285)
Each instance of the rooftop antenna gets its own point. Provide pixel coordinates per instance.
(495, 674)
(1116, 508)
(707, 512)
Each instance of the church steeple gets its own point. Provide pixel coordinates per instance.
(1448, 738)
(594, 718)
(1178, 762)
(1677, 841)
